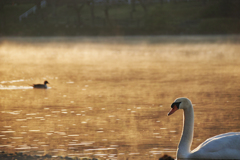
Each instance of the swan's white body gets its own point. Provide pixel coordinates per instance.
(223, 146)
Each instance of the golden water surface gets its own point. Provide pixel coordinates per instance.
(109, 97)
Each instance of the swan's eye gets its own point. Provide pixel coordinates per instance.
(175, 103)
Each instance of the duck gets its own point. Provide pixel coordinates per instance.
(44, 86)
(223, 146)
(166, 157)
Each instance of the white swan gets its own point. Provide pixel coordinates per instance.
(223, 146)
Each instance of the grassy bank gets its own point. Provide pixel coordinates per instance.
(178, 17)
(22, 156)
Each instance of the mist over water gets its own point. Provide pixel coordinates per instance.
(109, 97)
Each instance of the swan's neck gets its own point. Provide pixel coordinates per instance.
(187, 134)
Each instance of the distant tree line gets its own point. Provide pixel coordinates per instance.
(221, 8)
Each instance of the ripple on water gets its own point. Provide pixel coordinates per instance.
(13, 113)
(99, 149)
(100, 154)
(16, 137)
(44, 145)
(131, 154)
(12, 81)
(31, 114)
(57, 150)
(23, 147)
(39, 117)
(70, 82)
(14, 87)
(55, 111)
(49, 134)
(34, 130)
(155, 152)
(73, 135)
(7, 126)
(9, 146)
(61, 133)
(169, 150)
(8, 131)
(81, 144)
(76, 154)
(19, 120)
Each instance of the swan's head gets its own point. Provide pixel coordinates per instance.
(46, 82)
(180, 103)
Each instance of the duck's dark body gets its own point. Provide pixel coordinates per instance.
(44, 86)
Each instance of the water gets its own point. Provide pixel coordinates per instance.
(109, 97)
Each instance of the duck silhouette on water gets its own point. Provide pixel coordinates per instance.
(43, 86)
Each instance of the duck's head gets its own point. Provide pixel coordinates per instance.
(180, 103)
(46, 82)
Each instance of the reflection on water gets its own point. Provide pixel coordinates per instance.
(110, 100)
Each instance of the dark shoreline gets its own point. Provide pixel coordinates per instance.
(22, 156)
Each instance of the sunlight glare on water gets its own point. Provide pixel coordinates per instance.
(109, 97)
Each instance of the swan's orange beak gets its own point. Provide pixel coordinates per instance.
(174, 108)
